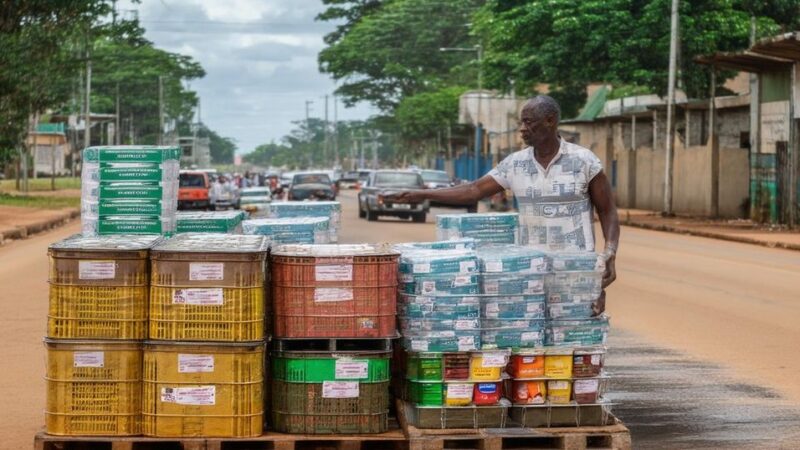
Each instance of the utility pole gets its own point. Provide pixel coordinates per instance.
(87, 134)
(160, 110)
(714, 141)
(673, 56)
(326, 145)
(117, 129)
(335, 132)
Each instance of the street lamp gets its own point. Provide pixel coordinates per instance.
(478, 127)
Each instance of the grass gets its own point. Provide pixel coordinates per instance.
(33, 201)
(43, 184)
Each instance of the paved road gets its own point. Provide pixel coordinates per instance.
(703, 345)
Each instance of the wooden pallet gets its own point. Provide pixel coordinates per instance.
(614, 436)
(391, 440)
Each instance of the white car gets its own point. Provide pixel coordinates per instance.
(255, 200)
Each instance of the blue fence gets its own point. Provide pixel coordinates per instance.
(464, 166)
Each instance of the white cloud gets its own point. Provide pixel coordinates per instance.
(260, 58)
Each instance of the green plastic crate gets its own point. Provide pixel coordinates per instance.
(318, 367)
(425, 393)
(424, 366)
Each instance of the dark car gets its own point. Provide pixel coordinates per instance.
(437, 179)
(348, 180)
(372, 202)
(311, 186)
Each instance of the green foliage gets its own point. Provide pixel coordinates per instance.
(616, 41)
(388, 51)
(222, 148)
(425, 114)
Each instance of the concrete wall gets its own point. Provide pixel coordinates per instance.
(734, 181)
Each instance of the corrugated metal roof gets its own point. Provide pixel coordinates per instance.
(745, 61)
(593, 107)
(50, 128)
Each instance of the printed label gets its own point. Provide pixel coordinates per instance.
(334, 272)
(494, 360)
(421, 268)
(492, 308)
(534, 307)
(586, 386)
(464, 325)
(595, 360)
(467, 266)
(206, 271)
(494, 266)
(339, 389)
(537, 264)
(554, 385)
(491, 287)
(456, 390)
(559, 264)
(203, 297)
(332, 294)
(536, 285)
(428, 287)
(528, 359)
(88, 359)
(466, 343)
(462, 280)
(530, 336)
(197, 395)
(351, 370)
(97, 270)
(195, 363)
(419, 346)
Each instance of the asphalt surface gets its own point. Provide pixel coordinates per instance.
(703, 348)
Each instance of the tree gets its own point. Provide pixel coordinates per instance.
(423, 115)
(222, 148)
(390, 51)
(616, 41)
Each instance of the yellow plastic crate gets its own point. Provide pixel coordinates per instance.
(93, 388)
(203, 389)
(97, 312)
(207, 314)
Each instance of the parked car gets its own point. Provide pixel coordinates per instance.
(255, 200)
(349, 180)
(373, 204)
(312, 186)
(437, 179)
(363, 176)
(193, 190)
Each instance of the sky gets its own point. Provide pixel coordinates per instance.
(260, 58)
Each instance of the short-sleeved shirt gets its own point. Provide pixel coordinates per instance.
(555, 210)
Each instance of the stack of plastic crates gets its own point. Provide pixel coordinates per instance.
(204, 363)
(291, 230)
(129, 190)
(229, 222)
(95, 325)
(326, 296)
(495, 228)
(330, 209)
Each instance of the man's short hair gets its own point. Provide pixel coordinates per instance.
(546, 106)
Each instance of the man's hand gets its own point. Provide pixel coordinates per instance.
(405, 197)
(599, 305)
(611, 271)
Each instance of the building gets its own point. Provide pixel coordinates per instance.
(195, 151)
(49, 148)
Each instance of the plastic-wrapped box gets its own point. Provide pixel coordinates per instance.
(425, 262)
(439, 284)
(293, 230)
(128, 207)
(210, 221)
(577, 331)
(497, 258)
(455, 244)
(139, 190)
(91, 226)
(443, 341)
(512, 333)
(512, 284)
(329, 209)
(510, 307)
(130, 172)
(576, 261)
(415, 325)
(496, 228)
(580, 310)
(131, 154)
(415, 311)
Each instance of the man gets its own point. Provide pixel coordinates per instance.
(556, 184)
(221, 192)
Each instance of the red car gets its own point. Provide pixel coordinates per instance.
(193, 190)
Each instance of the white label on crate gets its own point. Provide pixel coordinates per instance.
(332, 294)
(494, 360)
(534, 307)
(334, 272)
(339, 389)
(421, 268)
(206, 271)
(528, 359)
(537, 264)
(462, 280)
(530, 336)
(552, 385)
(559, 264)
(586, 386)
(492, 308)
(536, 285)
(97, 270)
(466, 343)
(455, 390)
(466, 266)
(351, 370)
(196, 395)
(419, 346)
(88, 359)
(595, 360)
(464, 324)
(428, 287)
(203, 297)
(494, 266)
(195, 363)
(491, 287)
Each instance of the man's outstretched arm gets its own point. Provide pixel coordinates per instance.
(462, 194)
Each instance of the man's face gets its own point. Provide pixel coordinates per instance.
(534, 127)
